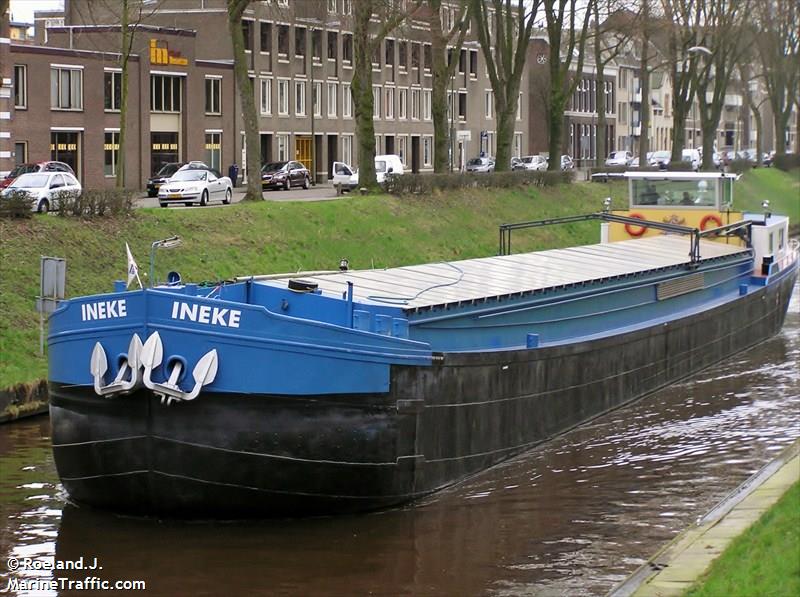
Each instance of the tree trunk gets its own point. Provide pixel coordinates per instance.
(249, 115)
(709, 136)
(505, 136)
(123, 100)
(600, 104)
(644, 109)
(781, 123)
(362, 96)
(440, 83)
(555, 113)
(679, 115)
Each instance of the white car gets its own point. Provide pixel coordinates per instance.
(692, 156)
(195, 185)
(619, 158)
(43, 188)
(533, 162)
(346, 178)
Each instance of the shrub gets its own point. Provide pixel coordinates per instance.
(740, 166)
(787, 162)
(680, 166)
(422, 184)
(95, 203)
(16, 204)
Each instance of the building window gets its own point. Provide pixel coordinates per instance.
(333, 45)
(20, 152)
(214, 150)
(299, 42)
(402, 50)
(402, 141)
(376, 101)
(427, 150)
(518, 144)
(414, 55)
(332, 94)
(426, 104)
(266, 97)
(389, 53)
(376, 57)
(402, 103)
(473, 64)
(316, 98)
(428, 57)
(347, 7)
(111, 153)
(347, 149)
(462, 62)
(247, 33)
(347, 101)
(283, 147)
(20, 86)
(347, 49)
(519, 106)
(213, 95)
(165, 93)
(331, 5)
(415, 104)
(66, 88)
(378, 144)
(283, 97)
(299, 98)
(488, 103)
(316, 45)
(112, 90)
(462, 105)
(389, 102)
(283, 41)
(266, 37)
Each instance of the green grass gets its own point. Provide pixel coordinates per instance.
(782, 190)
(763, 561)
(271, 237)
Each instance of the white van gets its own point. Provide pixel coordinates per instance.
(346, 179)
(692, 156)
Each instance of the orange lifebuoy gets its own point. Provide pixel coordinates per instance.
(710, 218)
(635, 231)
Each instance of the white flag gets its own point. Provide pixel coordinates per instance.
(133, 269)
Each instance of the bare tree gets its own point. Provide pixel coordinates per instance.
(610, 38)
(443, 68)
(130, 14)
(720, 44)
(504, 32)
(679, 23)
(367, 41)
(565, 41)
(749, 78)
(236, 9)
(778, 44)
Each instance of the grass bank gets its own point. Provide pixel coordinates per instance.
(765, 560)
(269, 237)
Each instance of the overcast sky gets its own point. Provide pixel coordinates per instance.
(22, 10)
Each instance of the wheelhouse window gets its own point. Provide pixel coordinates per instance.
(66, 88)
(165, 93)
(20, 86)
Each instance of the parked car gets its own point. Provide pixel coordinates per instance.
(160, 177)
(767, 158)
(43, 188)
(195, 185)
(345, 177)
(635, 162)
(567, 163)
(533, 162)
(660, 159)
(751, 155)
(692, 156)
(285, 175)
(31, 167)
(480, 164)
(619, 158)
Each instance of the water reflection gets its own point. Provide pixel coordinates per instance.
(573, 517)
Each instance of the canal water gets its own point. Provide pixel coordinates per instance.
(572, 517)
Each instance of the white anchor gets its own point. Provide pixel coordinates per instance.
(132, 363)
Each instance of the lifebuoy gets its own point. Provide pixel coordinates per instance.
(710, 218)
(635, 230)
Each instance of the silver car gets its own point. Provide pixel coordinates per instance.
(44, 188)
(195, 185)
(482, 164)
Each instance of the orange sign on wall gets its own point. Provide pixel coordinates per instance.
(161, 54)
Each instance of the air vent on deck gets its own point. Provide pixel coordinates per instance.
(682, 285)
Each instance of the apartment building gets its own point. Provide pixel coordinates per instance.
(184, 103)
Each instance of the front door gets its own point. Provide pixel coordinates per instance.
(65, 147)
(163, 150)
(415, 154)
(333, 144)
(302, 151)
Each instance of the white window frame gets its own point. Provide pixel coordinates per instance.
(416, 103)
(210, 161)
(316, 98)
(55, 102)
(114, 72)
(347, 101)
(218, 80)
(427, 150)
(377, 97)
(347, 149)
(300, 97)
(265, 87)
(402, 147)
(282, 146)
(332, 6)
(488, 104)
(402, 103)
(333, 93)
(519, 106)
(113, 147)
(22, 91)
(283, 106)
(174, 80)
(388, 103)
(426, 104)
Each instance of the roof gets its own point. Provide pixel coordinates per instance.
(455, 282)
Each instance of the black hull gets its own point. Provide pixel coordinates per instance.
(234, 456)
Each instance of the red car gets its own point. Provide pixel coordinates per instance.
(21, 169)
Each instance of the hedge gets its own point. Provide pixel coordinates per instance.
(422, 184)
(16, 204)
(95, 203)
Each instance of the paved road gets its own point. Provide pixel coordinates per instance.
(320, 192)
